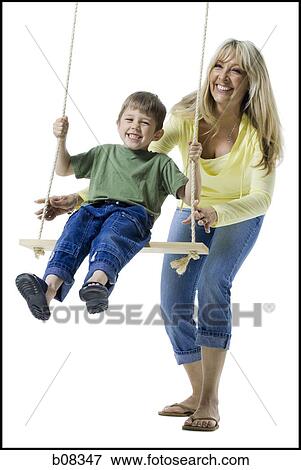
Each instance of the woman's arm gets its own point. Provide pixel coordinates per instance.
(58, 205)
(252, 205)
(170, 137)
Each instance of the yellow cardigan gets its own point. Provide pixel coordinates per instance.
(230, 183)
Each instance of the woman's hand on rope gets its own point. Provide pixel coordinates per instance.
(58, 205)
(205, 216)
(195, 151)
(60, 127)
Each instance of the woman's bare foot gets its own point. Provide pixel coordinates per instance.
(190, 403)
(203, 411)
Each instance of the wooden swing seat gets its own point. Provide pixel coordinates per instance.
(153, 247)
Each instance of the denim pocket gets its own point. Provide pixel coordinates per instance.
(67, 247)
(140, 227)
(130, 227)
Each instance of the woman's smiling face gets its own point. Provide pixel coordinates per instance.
(228, 82)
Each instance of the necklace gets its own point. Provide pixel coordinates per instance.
(229, 136)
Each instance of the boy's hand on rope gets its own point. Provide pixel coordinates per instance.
(57, 205)
(195, 151)
(206, 216)
(60, 127)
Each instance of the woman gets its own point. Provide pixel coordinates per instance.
(240, 134)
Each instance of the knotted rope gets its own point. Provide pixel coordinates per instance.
(40, 251)
(181, 264)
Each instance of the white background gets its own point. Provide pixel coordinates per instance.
(118, 376)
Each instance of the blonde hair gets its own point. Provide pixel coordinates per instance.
(147, 103)
(259, 102)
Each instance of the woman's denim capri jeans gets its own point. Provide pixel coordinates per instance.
(211, 279)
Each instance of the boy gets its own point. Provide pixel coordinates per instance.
(128, 185)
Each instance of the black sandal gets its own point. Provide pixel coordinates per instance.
(33, 289)
(95, 295)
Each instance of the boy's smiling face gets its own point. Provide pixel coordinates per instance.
(137, 130)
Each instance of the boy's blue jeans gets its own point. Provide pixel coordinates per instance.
(211, 278)
(111, 232)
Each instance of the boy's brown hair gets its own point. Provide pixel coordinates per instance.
(147, 103)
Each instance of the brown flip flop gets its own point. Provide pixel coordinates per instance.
(186, 411)
(190, 427)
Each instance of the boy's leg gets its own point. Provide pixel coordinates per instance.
(124, 233)
(70, 251)
(99, 277)
(54, 283)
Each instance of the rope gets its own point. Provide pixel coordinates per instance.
(196, 126)
(40, 251)
(181, 264)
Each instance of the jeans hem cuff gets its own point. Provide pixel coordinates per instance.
(60, 272)
(186, 358)
(110, 271)
(212, 341)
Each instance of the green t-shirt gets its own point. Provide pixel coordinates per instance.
(137, 177)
